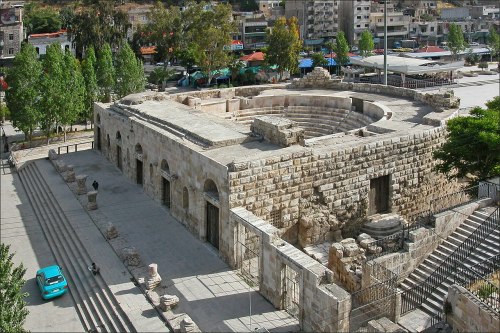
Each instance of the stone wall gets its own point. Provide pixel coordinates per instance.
(340, 178)
(423, 242)
(323, 305)
(188, 169)
(468, 313)
(280, 131)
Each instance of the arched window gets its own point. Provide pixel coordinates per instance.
(150, 170)
(164, 166)
(185, 198)
(118, 136)
(211, 189)
(138, 148)
(98, 118)
(109, 140)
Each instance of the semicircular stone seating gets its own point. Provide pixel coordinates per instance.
(315, 120)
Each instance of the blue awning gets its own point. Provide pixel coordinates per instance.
(305, 63)
(331, 62)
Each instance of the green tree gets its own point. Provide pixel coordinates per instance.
(211, 36)
(13, 310)
(472, 148)
(283, 46)
(90, 80)
(160, 74)
(456, 41)
(248, 6)
(41, 20)
(494, 43)
(98, 23)
(105, 73)
(163, 30)
(23, 94)
(366, 44)
(129, 72)
(52, 102)
(67, 16)
(341, 49)
(74, 101)
(318, 60)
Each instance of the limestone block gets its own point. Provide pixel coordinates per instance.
(347, 241)
(53, 155)
(187, 325)
(70, 174)
(154, 278)
(364, 236)
(91, 200)
(60, 166)
(131, 257)
(81, 187)
(351, 250)
(111, 231)
(167, 302)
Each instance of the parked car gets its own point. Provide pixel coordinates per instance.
(473, 44)
(51, 282)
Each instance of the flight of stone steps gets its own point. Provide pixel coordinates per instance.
(96, 306)
(486, 249)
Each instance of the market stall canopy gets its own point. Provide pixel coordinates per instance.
(256, 56)
(406, 65)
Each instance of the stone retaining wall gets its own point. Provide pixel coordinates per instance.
(323, 305)
(341, 179)
(468, 313)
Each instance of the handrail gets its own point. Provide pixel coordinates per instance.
(413, 297)
(395, 242)
(463, 277)
(75, 145)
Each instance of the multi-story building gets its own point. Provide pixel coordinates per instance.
(42, 41)
(398, 24)
(267, 7)
(253, 31)
(318, 20)
(137, 16)
(354, 18)
(11, 33)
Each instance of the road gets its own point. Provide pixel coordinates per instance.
(20, 229)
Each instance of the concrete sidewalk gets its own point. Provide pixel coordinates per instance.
(212, 294)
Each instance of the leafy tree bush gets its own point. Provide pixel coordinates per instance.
(23, 94)
(483, 65)
(318, 60)
(41, 20)
(105, 73)
(472, 148)
(456, 41)
(13, 310)
(129, 72)
(366, 43)
(160, 74)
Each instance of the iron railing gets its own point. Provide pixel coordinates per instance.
(74, 146)
(425, 219)
(476, 280)
(414, 297)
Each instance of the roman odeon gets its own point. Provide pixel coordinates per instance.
(261, 172)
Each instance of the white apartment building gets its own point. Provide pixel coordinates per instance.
(318, 19)
(354, 18)
(398, 24)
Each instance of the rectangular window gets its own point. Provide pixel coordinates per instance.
(11, 36)
(358, 26)
(275, 218)
(358, 17)
(11, 51)
(432, 29)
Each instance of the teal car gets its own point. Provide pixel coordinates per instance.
(51, 282)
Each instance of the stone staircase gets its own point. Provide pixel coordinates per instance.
(95, 304)
(443, 259)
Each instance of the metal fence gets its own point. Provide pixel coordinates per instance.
(413, 297)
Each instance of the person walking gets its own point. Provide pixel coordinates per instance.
(95, 185)
(95, 270)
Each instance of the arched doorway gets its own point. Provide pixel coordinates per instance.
(212, 212)
(98, 132)
(138, 164)
(165, 184)
(119, 151)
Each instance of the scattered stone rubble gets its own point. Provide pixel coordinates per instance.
(111, 231)
(131, 257)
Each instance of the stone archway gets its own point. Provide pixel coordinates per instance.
(139, 164)
(119, 157)
(211, 194)
(165, 184)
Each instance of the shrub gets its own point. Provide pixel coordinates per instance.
(483, 65)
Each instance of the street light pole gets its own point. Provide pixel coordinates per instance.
(385, 42)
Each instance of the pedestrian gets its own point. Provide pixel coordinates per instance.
(95, 270)
(95, 185)
(6, 147)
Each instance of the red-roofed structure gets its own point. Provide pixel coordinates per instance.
(430, 49)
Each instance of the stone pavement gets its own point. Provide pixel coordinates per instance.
(212, 294)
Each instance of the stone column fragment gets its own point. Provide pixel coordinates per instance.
(154, 278)
(70, 174)
(92, 200)
(167, 302)
(81, 187)
(111, 231)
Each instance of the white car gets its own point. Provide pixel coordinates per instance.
(473, 44)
